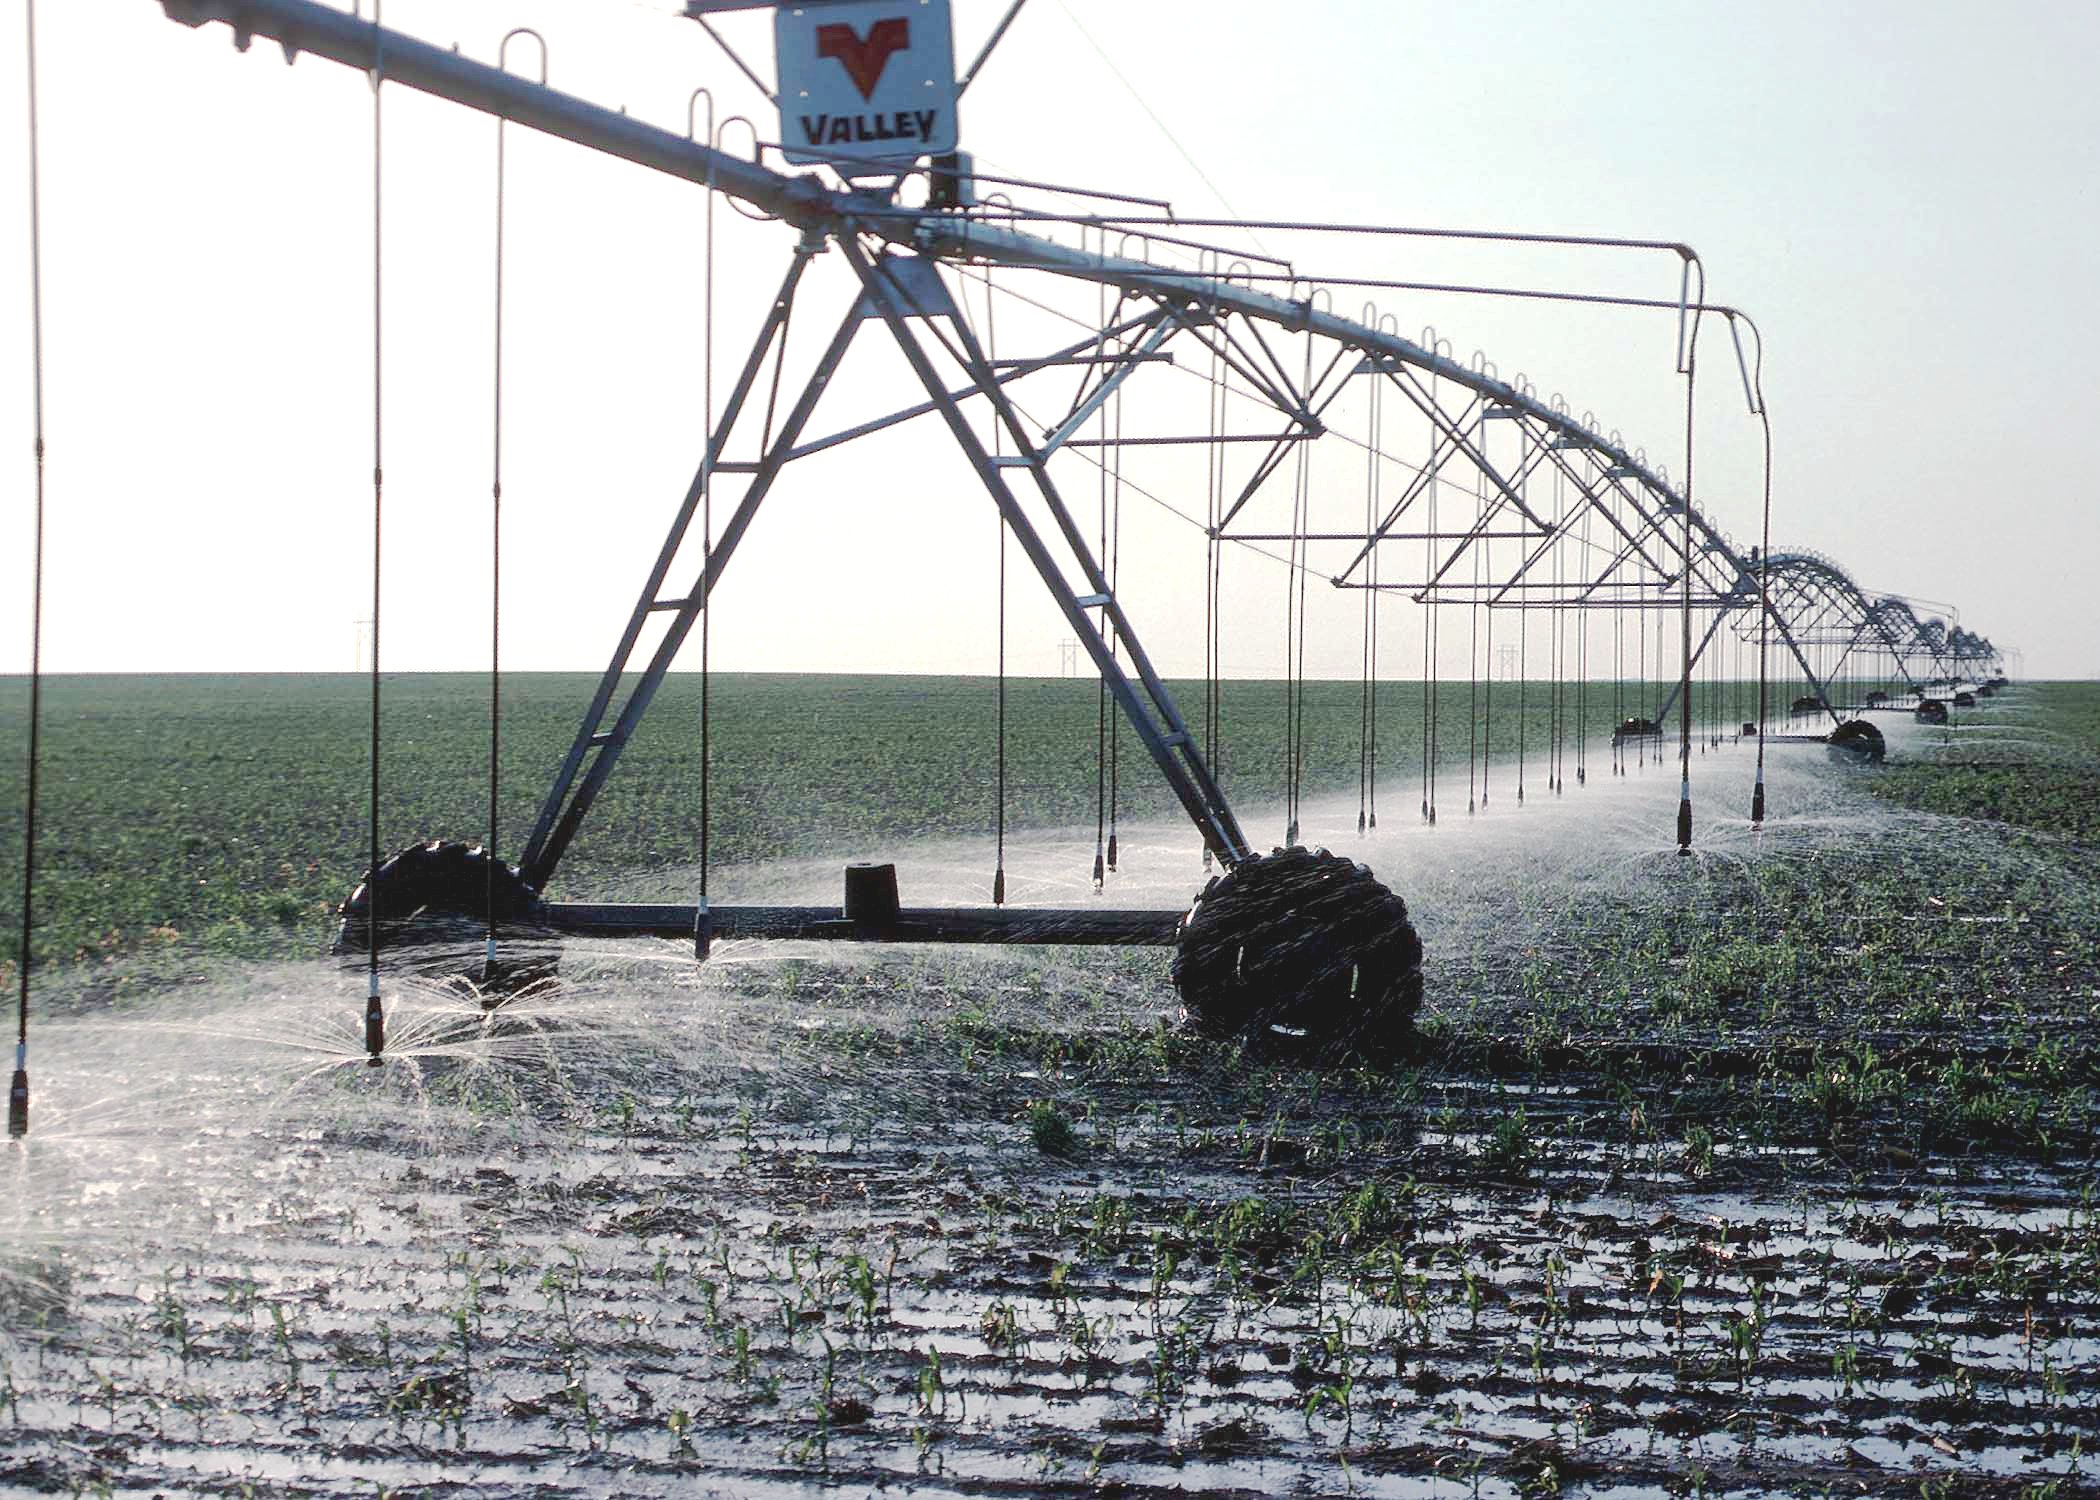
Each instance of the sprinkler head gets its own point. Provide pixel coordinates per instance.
(18, 1099)
(1684, 822)
(375, 1027)
(999, 886)
(1290, 837)
(1360, 824)
(1097, 870)
(1111, 853)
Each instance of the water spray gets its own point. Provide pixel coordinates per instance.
(900, 257)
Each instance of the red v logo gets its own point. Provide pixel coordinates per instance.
(864, 60)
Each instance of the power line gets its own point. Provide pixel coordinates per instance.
(1153, 115)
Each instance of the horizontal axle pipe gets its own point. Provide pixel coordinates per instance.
(1087, 926)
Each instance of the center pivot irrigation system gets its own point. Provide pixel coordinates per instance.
(1161, 363)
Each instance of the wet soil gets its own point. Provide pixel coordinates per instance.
(1769, 1171)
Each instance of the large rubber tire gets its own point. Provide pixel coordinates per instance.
(433, 904)
(1301, 952)
(1931, 711)
(1857, 740)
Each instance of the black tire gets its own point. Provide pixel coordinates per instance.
(1931, 711)
(1857, 740)
(1301, 952)
(433, 906)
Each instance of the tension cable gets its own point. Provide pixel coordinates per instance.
(488, 960)
(1473, 749)
(18, 1088)
(1101, 715)
(1115, 639)
(1582, 672)
(991, 355)
(1430, 659)
(1764, 625)
(1487, 727)
(1366, 749)
(1523, 666)
(375, 1014)
(1294, 633)
(704, 930)
(1213, 560)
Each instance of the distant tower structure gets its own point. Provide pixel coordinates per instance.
(1068, 658)
(1508, 661)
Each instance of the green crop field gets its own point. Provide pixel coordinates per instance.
(1767, 1171)
(226, 816)
(2046, 777)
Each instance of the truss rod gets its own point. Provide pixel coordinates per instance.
(307, 26)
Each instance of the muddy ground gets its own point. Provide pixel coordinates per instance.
(1764, 1172)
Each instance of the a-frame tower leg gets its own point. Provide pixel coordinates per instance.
(1095, 616)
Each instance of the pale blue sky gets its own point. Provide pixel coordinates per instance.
(1903, 195)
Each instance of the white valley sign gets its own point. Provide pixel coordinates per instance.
(865, 84)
